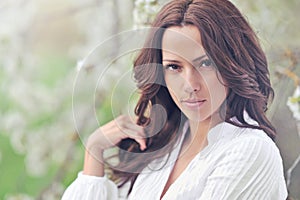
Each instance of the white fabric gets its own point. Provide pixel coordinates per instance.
(238, 163)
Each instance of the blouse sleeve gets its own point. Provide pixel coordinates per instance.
(87, 187)
(248, 169)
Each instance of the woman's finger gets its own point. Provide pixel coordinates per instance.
(142, 143)
(126, 125)
(136, 128)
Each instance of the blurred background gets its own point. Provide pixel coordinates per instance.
(47, 108)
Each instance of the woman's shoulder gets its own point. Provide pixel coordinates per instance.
(241, 136)
(247, 160)
(254, 144)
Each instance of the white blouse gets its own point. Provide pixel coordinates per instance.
(238, 163)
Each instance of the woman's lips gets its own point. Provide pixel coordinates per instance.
(193, 103)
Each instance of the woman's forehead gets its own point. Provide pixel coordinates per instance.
(183, 41)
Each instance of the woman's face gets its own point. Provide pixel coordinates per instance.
(190, 75)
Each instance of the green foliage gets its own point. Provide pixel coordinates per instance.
(53, 68)
(14, 178)
(49, 75)
(295, 99)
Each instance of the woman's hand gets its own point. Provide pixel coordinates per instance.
(107, 136)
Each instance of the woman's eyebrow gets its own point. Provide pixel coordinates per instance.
(199, 58)
(171, 60)
(193, 61)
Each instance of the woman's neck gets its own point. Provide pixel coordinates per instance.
(197, 138)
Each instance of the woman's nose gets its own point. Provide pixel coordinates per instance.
(192, 81)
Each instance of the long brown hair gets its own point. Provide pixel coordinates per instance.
(234, 48)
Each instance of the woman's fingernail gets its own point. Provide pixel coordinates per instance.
(143, 148)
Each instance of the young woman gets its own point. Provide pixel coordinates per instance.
(201, 129)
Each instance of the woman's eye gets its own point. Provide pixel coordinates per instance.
(172, 67)
(206, 63)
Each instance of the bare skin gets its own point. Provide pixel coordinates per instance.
(106, 137)
(193, 83)
(192, 145)
(197, 91)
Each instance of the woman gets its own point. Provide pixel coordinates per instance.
(201, 131)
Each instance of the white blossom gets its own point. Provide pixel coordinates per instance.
(39, 122)
(18, 140)
(18, 197)
(144, 12)
(294, 103)
(53, 192)
(13, 121)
